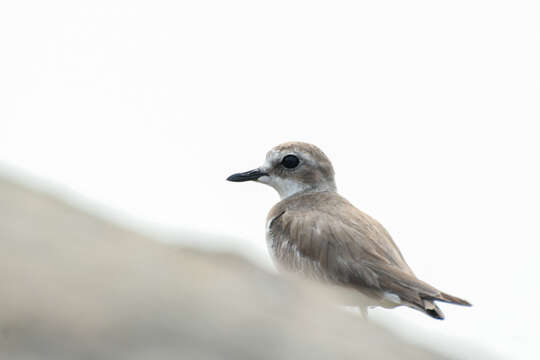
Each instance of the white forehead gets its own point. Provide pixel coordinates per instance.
(275, 156)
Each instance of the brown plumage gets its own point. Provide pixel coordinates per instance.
(318, 233)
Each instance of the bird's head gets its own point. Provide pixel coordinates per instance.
(292, 168)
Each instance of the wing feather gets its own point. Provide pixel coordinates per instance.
(352, 250)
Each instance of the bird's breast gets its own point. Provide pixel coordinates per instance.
(287, 257)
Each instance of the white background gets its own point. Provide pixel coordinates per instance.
(429, 110)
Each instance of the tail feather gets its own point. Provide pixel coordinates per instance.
(452, 299)
(431, 309)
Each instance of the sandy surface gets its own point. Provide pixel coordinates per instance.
(74, 286)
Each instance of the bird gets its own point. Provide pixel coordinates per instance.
(317, 233)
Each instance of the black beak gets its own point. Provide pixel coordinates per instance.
(246, 176)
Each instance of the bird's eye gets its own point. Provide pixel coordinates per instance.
(290, 161)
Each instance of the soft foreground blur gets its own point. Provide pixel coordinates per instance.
(75, 286)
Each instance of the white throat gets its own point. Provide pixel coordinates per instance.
(285, 187)
(288, 187)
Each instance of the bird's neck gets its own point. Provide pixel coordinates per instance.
(288, 188)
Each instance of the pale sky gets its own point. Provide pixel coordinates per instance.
(430, 112)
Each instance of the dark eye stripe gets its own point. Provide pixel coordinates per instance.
(290, 161)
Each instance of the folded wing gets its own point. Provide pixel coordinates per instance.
(347, 247)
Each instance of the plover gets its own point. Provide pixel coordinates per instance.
(318, 233)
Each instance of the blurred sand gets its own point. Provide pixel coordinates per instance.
(77, 287)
